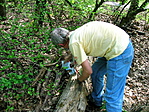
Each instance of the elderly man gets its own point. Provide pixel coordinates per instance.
(114, 50)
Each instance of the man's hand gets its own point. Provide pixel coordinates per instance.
(67, 67)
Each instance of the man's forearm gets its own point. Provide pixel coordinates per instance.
(87, 71)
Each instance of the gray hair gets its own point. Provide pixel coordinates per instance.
(59, 36)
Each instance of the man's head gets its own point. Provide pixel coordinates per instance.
(59, 36)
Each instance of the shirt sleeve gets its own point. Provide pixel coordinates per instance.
(78, 52)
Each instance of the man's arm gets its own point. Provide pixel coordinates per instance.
(87, 71)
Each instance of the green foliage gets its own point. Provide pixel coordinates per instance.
(9, 108)
(21, 48)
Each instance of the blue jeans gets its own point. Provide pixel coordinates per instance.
(116, 70)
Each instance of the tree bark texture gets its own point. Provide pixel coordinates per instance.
(73, 98)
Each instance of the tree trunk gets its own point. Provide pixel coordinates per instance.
(133, 11)
(67, 1)
(40, 12)
(73, 98)
(2, 10)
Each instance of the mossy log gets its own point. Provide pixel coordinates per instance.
(73, 98)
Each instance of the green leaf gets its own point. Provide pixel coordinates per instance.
(72, 1)
(56, 65)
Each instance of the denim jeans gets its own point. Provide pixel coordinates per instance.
(116, 70)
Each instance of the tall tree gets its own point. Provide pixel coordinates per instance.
(40, 11)
(2, 10)
(97, 5)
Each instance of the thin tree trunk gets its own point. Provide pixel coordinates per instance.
(2, 10)
(69, 3)
(39, 12)
(97, 5)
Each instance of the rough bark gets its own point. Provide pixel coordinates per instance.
(73, 98)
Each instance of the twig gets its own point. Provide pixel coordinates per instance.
(19, 110)
(50, 64)
(69, 3)
(45, 101)
(40, 75)
(47, 77)
(41, 105)
(38, 89)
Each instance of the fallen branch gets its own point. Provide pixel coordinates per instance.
(73, 98)
(50, 64)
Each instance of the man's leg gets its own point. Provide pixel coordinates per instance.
(99, 70)
(117, 70)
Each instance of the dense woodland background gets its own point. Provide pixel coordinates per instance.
(31, 77)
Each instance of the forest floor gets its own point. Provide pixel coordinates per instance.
(136, 90)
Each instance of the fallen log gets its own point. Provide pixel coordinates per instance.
(73, 98)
